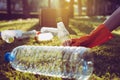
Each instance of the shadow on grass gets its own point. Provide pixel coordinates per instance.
(107, 58)
(83, 27)
(71, 31)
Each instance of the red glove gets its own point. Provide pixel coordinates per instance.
(98, 36)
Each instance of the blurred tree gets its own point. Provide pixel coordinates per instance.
(71, 9)
(16, 6)
(26, 8)
(33, 5)
(49, 3)
(9, 7)
(67, 6)
(63, 10)
(79, 7)
(102, 7)
(44, 3)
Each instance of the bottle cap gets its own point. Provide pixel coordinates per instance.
(9, 57)
(37, 32)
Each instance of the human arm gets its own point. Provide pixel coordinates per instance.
(113, 21)
(99, 35)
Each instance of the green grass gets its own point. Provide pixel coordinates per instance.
(106, 56)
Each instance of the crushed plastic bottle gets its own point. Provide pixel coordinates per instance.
(63, 33)
(9, 35)
(30, 34)
(52, 30)
(44, 37)
(56, 61)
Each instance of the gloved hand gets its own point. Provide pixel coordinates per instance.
(98, 36)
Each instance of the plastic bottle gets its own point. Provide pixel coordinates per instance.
(9, 35)
(44, 37)
(63, 33)
(30, 34)
(56, 61)
(52, 30)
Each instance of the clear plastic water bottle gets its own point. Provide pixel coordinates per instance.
(37, 35)
(63, 33)
(9, 35)
(29, 34)
(44, 37)
(56, 61)
(52, 30)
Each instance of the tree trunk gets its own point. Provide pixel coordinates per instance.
(49, 3)
(79, 7)
(71, 9)
(26, 10)
(9, 7)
